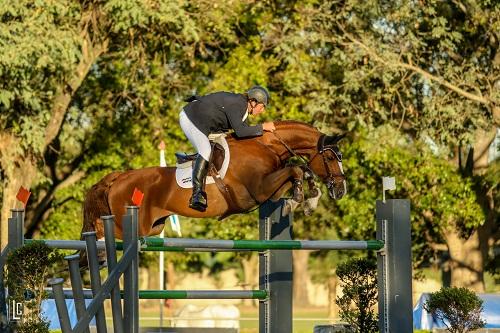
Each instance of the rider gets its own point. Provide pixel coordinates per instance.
(215, 113)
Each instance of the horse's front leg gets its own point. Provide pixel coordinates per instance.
(311, 185)
(275, 184)
(311, 203)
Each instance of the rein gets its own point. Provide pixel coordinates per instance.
(290, 150)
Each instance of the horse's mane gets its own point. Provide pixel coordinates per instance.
(280, 125)
(294, 123)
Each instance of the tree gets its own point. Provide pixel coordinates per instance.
(440, 198)
(460, 307)
(359, 281)
(28, 269)
(91, 87)
(428, 68)
(55, 55)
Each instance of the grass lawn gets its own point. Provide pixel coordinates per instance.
(304, 319)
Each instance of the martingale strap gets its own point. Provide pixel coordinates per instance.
(223, 188)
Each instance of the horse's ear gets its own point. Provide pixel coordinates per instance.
(333, 139)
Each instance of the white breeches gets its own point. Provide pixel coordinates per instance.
(199, 140)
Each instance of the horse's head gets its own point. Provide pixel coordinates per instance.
(326, 163)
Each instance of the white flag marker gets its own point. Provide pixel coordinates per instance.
(388, 183)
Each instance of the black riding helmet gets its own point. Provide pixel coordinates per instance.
(259, 94)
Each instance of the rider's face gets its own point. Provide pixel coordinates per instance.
(257, 108)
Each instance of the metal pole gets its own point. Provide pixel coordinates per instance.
(260, 245)
(68, 244)
(276, 271)
(184, 294)
(62, 310)
(134, 212)
(76, 285)
(104, 292)
(18, 214)
(131, 298)
(95, 278)
(116, 305)
(15, 234)
(203, 294)
(161, 278)
(394, 266)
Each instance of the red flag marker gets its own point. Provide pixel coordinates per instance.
(23, 195)
(137, 197)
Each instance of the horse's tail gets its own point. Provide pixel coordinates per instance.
(96, 205)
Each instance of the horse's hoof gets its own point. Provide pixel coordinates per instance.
(308, 211)
(306, 206)
(298, 197)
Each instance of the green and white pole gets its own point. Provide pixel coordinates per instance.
(183, 244)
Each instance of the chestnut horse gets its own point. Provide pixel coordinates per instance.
(257, 172)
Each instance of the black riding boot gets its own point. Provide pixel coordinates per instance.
(199, 198)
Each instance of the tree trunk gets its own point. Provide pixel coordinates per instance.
(251, 274)
(468, 256)
(466, 260)
(301, 278)
(144, 278)
(482, 142)
(333, 309)
(18, 171)
(170, 281)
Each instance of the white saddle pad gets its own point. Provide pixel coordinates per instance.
(184, 171)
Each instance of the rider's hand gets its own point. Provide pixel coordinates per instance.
(268, 126)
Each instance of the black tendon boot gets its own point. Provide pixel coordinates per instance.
(199, 198)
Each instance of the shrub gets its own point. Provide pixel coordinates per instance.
(359, 280)
(28, 268)
(460, 306)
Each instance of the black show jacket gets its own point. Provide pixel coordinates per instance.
(221, 111)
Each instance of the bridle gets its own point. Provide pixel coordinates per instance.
(331, 176)
(321, 148)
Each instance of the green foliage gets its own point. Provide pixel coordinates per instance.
(33, 326)
(441, 198)
(28, 268)
(354, 67)
(39, 49)
(395, 58)
(459, 306)
(359, 286)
